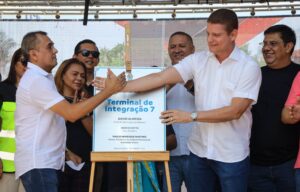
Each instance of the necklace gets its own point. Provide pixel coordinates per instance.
(69, 98)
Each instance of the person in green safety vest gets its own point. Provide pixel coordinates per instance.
(8, 89)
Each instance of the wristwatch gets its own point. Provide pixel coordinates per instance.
(194, 116)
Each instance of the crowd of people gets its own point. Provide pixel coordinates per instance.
(234, 124)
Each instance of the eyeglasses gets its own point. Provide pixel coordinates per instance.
(271, 44)
(86, 53)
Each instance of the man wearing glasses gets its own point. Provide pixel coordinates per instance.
(274, 145)
(87, 52)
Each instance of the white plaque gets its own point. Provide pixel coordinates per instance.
(130, 121)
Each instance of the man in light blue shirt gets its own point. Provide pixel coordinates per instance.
(178, 97)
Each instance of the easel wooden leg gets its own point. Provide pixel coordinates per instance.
(167, 171)
(130, 157)
(129, 176)
(92, 176)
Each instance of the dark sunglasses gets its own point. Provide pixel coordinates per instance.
(86, 53)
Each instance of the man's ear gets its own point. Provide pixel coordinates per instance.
(233, 35)
(289, 46)
(33, 55)
(193, 49)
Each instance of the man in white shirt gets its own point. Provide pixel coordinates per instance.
(178, 97)
(227, 82)
(41, 113)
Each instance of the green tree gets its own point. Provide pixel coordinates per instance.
(113, 57)
(6, 44)
(258, 57)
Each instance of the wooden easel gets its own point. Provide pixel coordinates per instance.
(130, 157)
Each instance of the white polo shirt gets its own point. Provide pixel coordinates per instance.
(215, 86)
(179, 98)
(40, 133)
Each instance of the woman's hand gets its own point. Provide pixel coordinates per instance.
(99, 83)
(80, 95)
(70, 156)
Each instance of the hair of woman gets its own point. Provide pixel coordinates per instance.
(12, 74)
(63, 68)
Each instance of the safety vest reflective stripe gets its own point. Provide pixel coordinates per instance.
(7, 155)
(8, 134)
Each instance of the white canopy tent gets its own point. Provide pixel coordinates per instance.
(99, 8)
(62, 19)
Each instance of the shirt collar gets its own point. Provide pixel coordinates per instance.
(37, 69)
(233, 56)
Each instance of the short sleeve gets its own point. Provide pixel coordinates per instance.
(190, 64)
(43, 92)
(294, 92)
(250, 81)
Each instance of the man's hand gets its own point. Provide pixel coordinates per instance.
(114, 83)
(99, 83)
(1, 168)
(175, 116)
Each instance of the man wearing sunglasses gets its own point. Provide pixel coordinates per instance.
(87, 52)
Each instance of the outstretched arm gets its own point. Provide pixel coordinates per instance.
(153, 81)
(73, 112)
